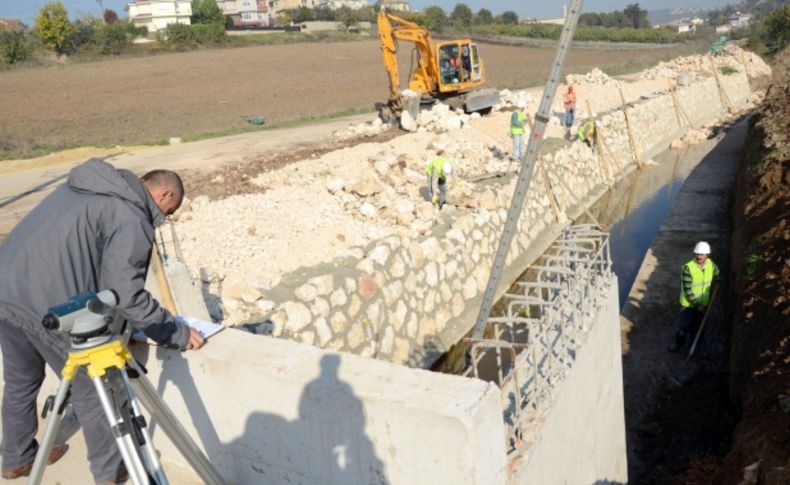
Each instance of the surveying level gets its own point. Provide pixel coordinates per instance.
(86, 318)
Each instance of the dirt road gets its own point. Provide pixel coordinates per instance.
(147, 99)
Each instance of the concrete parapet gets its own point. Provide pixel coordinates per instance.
(273, 411)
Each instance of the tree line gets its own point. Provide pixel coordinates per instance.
(631, 17)
(105, 35)
(433, 18)
(55, 32)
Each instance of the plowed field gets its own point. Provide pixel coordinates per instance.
(146, 99)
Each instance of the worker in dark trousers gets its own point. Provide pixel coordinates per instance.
(438, 169)
(93, 233)
(697, 277)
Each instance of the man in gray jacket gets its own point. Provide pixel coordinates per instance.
(93, 233)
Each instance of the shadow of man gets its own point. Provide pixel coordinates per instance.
(333, 418)
(326, 444)
(176, 371)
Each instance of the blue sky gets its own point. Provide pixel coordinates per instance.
(26, 9)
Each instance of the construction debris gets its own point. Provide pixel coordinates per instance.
(595, 77)
(368, 129)
(733, 57)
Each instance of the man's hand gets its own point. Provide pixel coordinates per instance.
(195, 340)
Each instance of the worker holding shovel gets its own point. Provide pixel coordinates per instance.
(698, 276)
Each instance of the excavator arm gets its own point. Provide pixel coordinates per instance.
(391, 30)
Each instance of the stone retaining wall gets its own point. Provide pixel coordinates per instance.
(405, 300)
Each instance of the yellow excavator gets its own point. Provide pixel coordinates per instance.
(449, 71)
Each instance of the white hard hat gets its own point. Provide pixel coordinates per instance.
(521, 103)
(447, 168)
(702, 248)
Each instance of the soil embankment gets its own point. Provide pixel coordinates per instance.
(760, 296)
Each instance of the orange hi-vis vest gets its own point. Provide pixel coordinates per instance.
(570, 100)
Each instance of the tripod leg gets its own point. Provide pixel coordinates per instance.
(53, 424)
(173, 429)
(122, 435)
(144, 441)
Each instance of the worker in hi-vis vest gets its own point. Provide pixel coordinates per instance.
(698, 276)
(586, 132)
(439, 168)
(517, 120)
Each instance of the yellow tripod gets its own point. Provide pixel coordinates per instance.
(106, 363)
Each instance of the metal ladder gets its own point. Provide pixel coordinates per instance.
(527, 166)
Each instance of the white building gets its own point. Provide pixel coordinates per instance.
(246, 12)
(396, 5)
(277, 6)
(352, 4)
(739, 21)
(156, 14)
(684, 27)
(723, 29)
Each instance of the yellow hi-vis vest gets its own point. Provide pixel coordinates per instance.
(436, 167)
(517, 128)
(586, 131)
(701, 280)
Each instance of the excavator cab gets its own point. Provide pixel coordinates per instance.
(459, 66)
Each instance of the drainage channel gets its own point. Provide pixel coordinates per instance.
(631, 213)
(634, 209)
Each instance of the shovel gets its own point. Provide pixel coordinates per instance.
(702, 325)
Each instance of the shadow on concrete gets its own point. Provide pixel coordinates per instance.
(425, 355)
(425, 193)
(326, 444)
(497, 153)
(178, 365)
(213, 300)
(33, 190)
(669, 425)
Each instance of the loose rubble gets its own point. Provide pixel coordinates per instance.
(733, 57)
(596, 77)
(367, 129)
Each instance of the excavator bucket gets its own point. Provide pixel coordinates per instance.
(481, 100)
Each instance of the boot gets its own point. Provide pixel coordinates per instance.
(55, 454)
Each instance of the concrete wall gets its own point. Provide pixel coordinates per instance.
(273, 411)
(407, 301)
(278, 412)
(582, 440)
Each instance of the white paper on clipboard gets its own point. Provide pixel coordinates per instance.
(206, 329)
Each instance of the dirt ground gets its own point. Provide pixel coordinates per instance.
(149, 99)
(760, 350)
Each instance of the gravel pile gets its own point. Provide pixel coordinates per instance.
(733, 57)
(595, 77)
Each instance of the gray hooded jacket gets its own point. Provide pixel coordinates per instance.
(91, 234)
